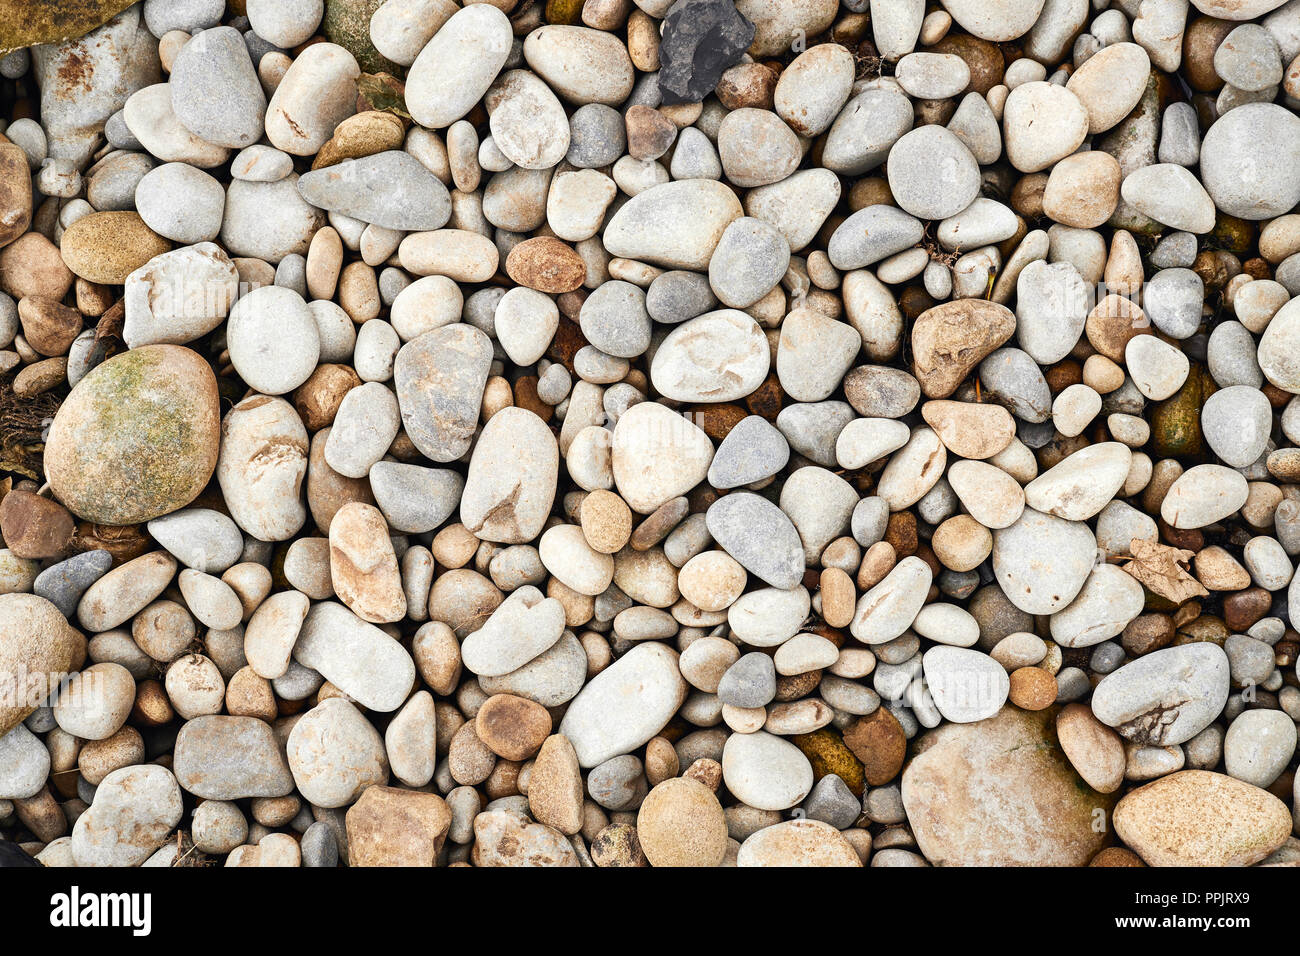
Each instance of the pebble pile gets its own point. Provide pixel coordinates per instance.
(695, 433)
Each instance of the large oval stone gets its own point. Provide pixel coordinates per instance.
(137, 437)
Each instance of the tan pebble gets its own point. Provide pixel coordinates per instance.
(681, 823)
(838, 597)
(108, 246)
(1032, 688)
(606, 521)
(876, 563)
(555, 786)
(962, 543)
(512, 727)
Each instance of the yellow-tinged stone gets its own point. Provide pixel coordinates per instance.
(106, 247)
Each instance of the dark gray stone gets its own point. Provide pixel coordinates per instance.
(64, 583)
(701, 39)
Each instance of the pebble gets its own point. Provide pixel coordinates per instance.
(1166, 697)
(134, 812)
(766, 771)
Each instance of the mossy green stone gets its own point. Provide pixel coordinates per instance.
(137, 438)
(347, 23)
(1176, 422)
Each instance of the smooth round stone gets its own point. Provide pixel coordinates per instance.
(676, 296)
(334, 753)
(263, 492)
(614, 319)
(272, 632)
(811, 428)
(625, 705)
(316, 93)
(565, 553)
(285, 23)
(215, 92)
(751, 451)
(199, 538)
(760, 536)
(888, 609)
(273, 340)
(1232, 356)
(932, 76)
(757, 148)
(675, 225)
(1042, 562)
(1200, 818)
(1166, 697)
(456, 67)
(999, 20)
(1259, 745)
(95, 703)
(597, 136)
(528, 122)
(1158, 369)
(750, 259)
(135, 810)
(440, 376)
(932, 174)
(113, 475)
(1203, 495)
(989, 494)
(681, 823)
(1080, 485)
(355, 656)
(24, 764)
(1042, 123)
(872, 234)
(861, 136)
(1109, 600)
(1172, 301)
(657, 455)
(983, 222)
(765, 771)
(1236, 422)
(717, 357)
(512, 478)
(582, 65)
(1051, 307)
(865, 440)
(363, 564)
(179, 296)
(1110, 84)
(181, 203)
(364, 427)
(749, 682)
(391, 189)
(768, 617)
(966, 685)
(1279, 349)
(913, 470)
(1244, 163)
(876, 391)
(261, 164)
(798, 843)
(813, 353)
(1171, 195)
(268, 220)
(814, 87)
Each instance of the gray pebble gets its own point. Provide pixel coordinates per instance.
(64, 583)
(1180, 136)
(1014, 379)
(749, 682)
(812, 428)
(679, 295)
(1172, 300)
(831, 801)
(319, 848)
(597, 136)
(614, 319)
(751, 451)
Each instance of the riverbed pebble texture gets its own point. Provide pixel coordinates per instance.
(650, 433)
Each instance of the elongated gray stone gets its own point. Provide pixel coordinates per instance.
(391, 189)
(760, 536)
(440, 377)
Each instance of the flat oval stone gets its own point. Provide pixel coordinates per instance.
(111, 474)
(717, 357)
(1202, 495)
(316, 93)
(1166, 697)
(751, 451)
(1080, 485)
(391, 189)
(334, 754)
(355, 656)
(199, 538)
(1244, 161)
(215, 90)
(457, 66)
(765, 771)
(889, 608)
(528, 122)
(440, 376)
(551, 678)
(230, 758)
(1279, 348)
(625, 705)
(415, 499)
(676, 225)
(872, 234)
(512, 478)
(179, 296)
(1042, 561)
(1200, 818)
(582, 65)
(966, 685)
(35, 640)
(760, 536)
(768, 617)
(524, 626)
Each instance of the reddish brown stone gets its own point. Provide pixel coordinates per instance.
(35, 527)
(878, 741)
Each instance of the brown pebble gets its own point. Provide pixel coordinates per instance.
(49, 326)
(1116, 856)
(512, 727)
(41, 377)
(1032, 688)
(838, 597)
(35, 527)
(659, 524)
(900, 533)
(317, 400)
(650, 134)
(1244, 608)
(546, 264)
(879, 742)
(617, 845)
(876, 563)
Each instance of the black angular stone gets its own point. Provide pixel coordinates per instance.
(701, 39)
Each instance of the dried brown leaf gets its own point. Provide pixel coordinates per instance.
(1160, 569)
